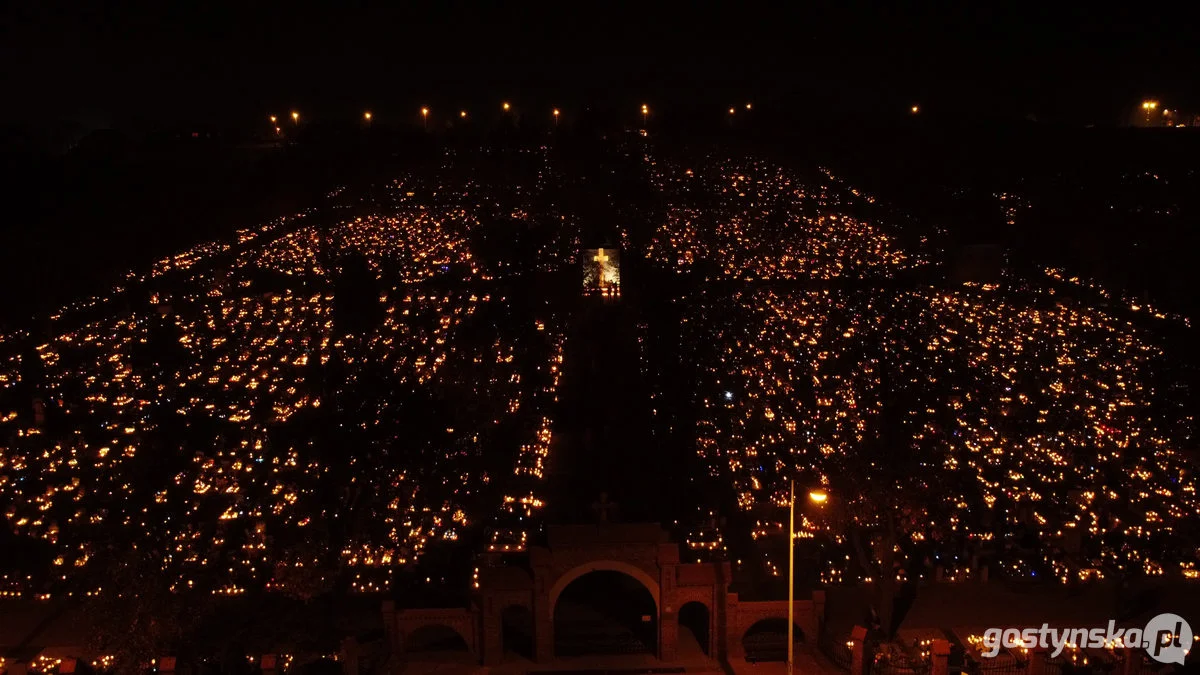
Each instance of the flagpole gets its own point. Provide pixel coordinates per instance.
(791, 574)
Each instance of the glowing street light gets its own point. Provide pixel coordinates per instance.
(732, 111)
(425, 118)
(916, 109)
(273, 118)
(645, 112)
(791, 573)
(367, 116)
(506, 106)
(295, 117)
(748, 106)
(462, 114)
(818, 496)
(555, 113)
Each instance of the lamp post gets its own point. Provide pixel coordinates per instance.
(367, 116)
(818, 497)
(555, 117)
(295, 117)
(791, 575)
(645, 113)
(425, 118)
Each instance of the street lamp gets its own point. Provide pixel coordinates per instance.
(748, 106)
(462, 114)
(367, 116)
(506, 106)
(645, 112)
(555, 113)
(791, 575)
(818, 496)
(916, 109)
(273, 118)
(425, 118)
(295, 117)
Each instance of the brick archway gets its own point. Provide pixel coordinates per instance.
(607, 565)
(640, 551)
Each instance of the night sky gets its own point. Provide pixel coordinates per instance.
(149, 61)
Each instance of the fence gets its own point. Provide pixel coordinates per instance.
(836, 650)
(1009, 666)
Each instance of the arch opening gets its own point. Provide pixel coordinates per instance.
(605, 612)
(693, 629)
(436, 642)
(766, 640)
(516, 631)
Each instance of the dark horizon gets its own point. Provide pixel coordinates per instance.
(105, 67)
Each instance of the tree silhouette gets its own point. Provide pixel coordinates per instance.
(137, 617)
(878, 492)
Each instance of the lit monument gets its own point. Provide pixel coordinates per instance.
(602, 271)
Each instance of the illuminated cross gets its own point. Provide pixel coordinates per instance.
(601, 258)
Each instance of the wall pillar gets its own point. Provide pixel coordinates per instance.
(543, 619)
(668, 619)
(715, 648)
(939, 651)
(1037, 661)
(668, 633)
(818, 613)
(860, 660)
(349, 656)
(389, 625)
(493, 638)
(733, 629)
(1132, 663)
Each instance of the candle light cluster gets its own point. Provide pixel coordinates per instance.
(256, 421)
(1044, 431)
(1005, 425)
(755, 220)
